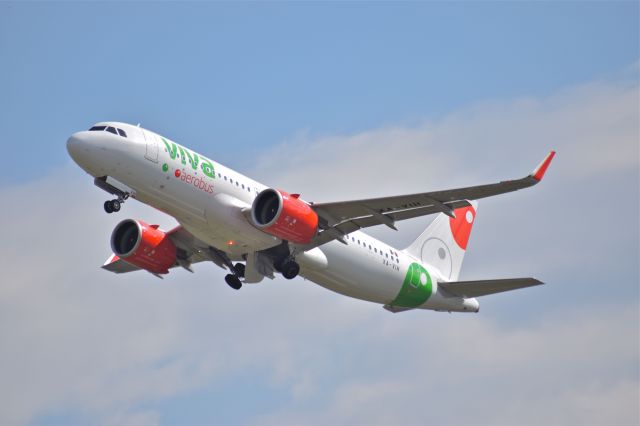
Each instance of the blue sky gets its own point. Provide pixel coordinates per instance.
(247, 76)
(337, 101)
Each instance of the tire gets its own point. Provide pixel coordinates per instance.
(115, 205)
(233, 281)
(240, 268)
(107, 207)
(290, 269)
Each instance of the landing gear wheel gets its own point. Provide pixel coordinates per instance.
(233, 281)
(112, 206)
(115, 205)
(239, 268)
(290, 269)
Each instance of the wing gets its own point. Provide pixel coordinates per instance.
(341, 218)
(484, 287)
(190, 250)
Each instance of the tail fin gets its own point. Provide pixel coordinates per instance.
(443, 244)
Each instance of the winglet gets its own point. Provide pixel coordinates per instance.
(539, 172)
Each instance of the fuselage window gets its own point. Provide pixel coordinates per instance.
(219, 175)
(112, 130)
(376, 250)
(237, 184)
(386, 255)
(225, 178)
(369, 246)
(230, 180)
(243, 186)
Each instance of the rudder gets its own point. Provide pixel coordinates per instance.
(443, 244)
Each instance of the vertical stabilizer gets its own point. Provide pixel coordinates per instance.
(443, 244)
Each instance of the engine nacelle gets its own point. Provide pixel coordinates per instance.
(144, 246)
(284, 216)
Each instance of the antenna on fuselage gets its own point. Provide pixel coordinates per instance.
(138, 124)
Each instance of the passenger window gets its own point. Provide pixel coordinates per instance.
(219, 175)
(112, 130)
(225, 178)
(376, 250)
(243, 186)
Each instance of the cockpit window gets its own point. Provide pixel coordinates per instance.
(109, 129)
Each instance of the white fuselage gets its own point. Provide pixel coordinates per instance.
(213, 208)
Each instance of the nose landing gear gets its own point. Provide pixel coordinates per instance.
(113, 206)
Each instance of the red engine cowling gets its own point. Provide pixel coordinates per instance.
(285, 216)
(144, 246)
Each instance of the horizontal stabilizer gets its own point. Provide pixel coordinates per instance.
(396, 309)
(484, 287)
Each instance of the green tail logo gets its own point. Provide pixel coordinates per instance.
(416, 289)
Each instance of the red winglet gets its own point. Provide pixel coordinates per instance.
(539, 172)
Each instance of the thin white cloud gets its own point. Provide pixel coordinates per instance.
(458, 370)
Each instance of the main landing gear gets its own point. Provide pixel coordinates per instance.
(288, 267)
(233, 280)
(112, 206)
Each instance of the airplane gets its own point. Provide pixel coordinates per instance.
(255, 231)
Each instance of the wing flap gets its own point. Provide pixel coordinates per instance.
(485, 287)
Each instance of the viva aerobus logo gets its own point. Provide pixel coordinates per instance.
(194, 160)
(416, 288)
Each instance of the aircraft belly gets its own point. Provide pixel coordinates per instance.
(225, 217)
(355, 273)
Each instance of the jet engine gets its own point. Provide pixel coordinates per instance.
(284, 216)
(144, 246)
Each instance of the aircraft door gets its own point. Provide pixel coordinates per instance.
(152, 147)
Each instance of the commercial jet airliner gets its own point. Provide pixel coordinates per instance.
(255, 231)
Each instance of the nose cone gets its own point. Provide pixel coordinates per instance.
(82, 151)
(76, 145)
